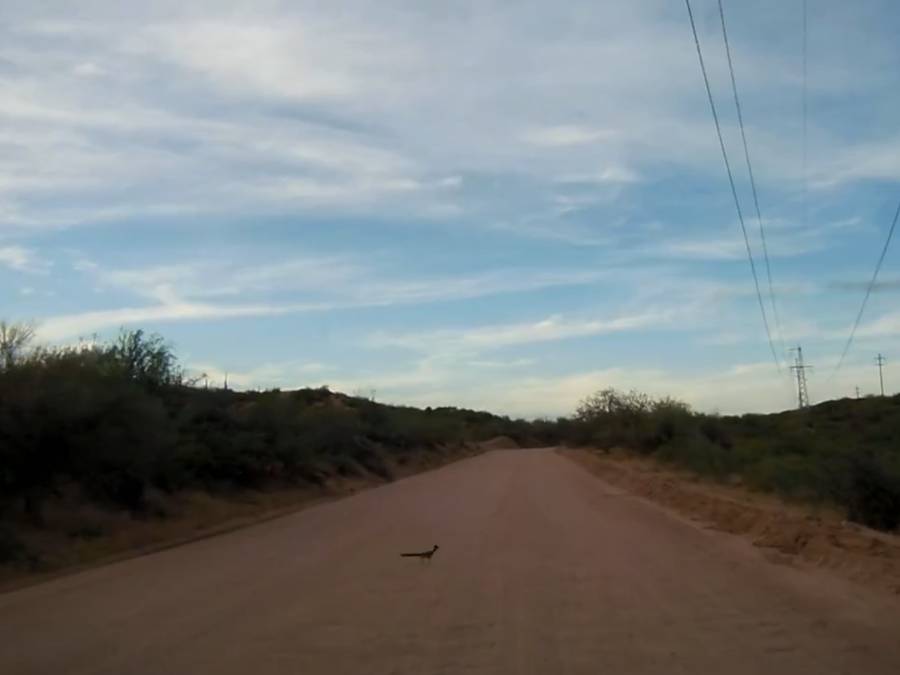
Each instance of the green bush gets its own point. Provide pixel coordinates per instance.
(12, 550)
(792, 476)
(873, 493)
(715, 431)
(698, 454)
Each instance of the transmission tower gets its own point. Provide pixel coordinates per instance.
(879, 361)
(800, 369)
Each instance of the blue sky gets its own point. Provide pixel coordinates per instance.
(498, 205)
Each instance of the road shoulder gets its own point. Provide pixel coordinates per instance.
(202, 516)
(787, 533)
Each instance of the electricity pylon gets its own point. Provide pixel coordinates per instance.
(879, 360)
(800, 369)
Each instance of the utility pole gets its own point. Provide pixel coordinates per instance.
(800, 369)
(857, 392)
(879, 360)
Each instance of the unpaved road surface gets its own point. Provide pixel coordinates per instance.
(543, 568)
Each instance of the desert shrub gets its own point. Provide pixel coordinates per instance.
(147, 359)
(329, 430)
(873, 493)
(406, 428)
(611, 404)
(240, 460)
(699, 455)
(373, 416)
(370, 459)
(750, 424)
(714, 430)
(346, 467)
(633, 420)
(667, 422)
(792, 476)
(793, 442)
(119, 448)
(12, 549)
(577, 432)
(86, 531)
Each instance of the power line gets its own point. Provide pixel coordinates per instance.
(762, 232)
(737, 203)
(871, 285)
(805, 116)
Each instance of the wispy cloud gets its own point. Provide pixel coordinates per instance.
(564, 135)
(783, 240)
(486, 338)
(204, 279)
(868, 160)
(194, 291)
(282, 60)
(280, 108)
(21, 259)
(463, 287)
(335, 277)
(887, 325)
(84, 324)
(611, 174)
(299, 108)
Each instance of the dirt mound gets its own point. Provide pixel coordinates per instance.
(499, 443)
(823, 539)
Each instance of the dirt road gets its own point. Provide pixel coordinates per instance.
(542, 568)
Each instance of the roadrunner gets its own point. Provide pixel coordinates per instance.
(424, 555)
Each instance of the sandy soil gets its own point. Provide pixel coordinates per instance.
(543, 568)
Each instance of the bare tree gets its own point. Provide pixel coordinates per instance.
(609, 402)
(147, 358)
(15, 339)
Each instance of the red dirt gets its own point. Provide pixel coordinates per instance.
(542, 568)
(499, 443)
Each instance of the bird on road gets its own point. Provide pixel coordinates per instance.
(424, 555)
